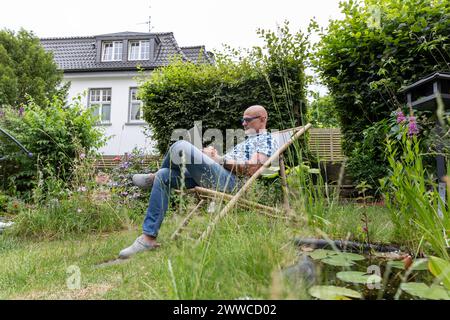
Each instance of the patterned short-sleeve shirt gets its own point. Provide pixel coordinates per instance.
(259, 143)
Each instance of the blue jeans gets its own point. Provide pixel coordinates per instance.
(197, 170)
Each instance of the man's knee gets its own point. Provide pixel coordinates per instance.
(180, 145)
(178, 149)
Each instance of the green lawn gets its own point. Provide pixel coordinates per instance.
(243, 259)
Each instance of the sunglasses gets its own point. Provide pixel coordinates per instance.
(250, 119)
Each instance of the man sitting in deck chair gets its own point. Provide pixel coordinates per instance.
(203, 168)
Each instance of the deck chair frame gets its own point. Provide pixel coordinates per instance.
(236, 199)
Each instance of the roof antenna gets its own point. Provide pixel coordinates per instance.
(149, 21)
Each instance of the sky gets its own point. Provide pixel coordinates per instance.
(194, 22)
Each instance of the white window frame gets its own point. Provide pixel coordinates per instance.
(130, 107)
(101, 93)
(140, 52)
(114, 56)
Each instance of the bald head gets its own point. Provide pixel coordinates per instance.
(256, 119)
(256, 111)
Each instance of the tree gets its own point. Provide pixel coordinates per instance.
(26, 70)
(322, 113)
(368, 55)
(378, 47)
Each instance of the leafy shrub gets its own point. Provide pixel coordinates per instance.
(92, 202)
(368, 160)
(273, 76)
(379, 46)
(56, 134)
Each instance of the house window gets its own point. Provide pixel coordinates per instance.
(112, 51)
(139, 50)
(100, 101)
(136, 110)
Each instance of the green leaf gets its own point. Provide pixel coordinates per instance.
(358, 277)
(397, 264)
(420, 265)
(335, 258)
(271, 172)
(322, 254)
(352, 256)
(338, 261)
(421, 290)
(440, 268)
(333, 293)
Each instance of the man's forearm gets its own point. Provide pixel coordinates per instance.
(241, 168)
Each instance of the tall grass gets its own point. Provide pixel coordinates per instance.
(413, 198)
(72, 216)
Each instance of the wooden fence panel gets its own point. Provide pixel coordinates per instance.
(109, 162)
(326, 144)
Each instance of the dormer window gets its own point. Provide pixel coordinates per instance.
(139, 50)
(112, 50)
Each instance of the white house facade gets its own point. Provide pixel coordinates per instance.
(103, 70)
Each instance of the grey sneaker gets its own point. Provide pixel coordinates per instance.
(144, 181)
(139, 245)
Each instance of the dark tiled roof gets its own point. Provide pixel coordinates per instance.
(79, 54)
(198, 54)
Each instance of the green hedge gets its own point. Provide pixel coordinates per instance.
(379, 46)
(217, 95)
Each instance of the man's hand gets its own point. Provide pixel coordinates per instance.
(212, 153)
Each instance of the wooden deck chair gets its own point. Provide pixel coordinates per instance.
(285, 138)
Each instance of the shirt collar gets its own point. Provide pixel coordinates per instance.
(261, 132)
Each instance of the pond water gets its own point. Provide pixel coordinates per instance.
(332, 273)
(386, 289)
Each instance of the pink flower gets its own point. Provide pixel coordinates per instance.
(82, 156)
(82, 189)
(400, 117)
(412, 128)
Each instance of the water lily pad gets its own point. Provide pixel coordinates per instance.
(421, 290)
(333, 293)
(338, 261)
(352, 256)
(358, 277)
(322, 254)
